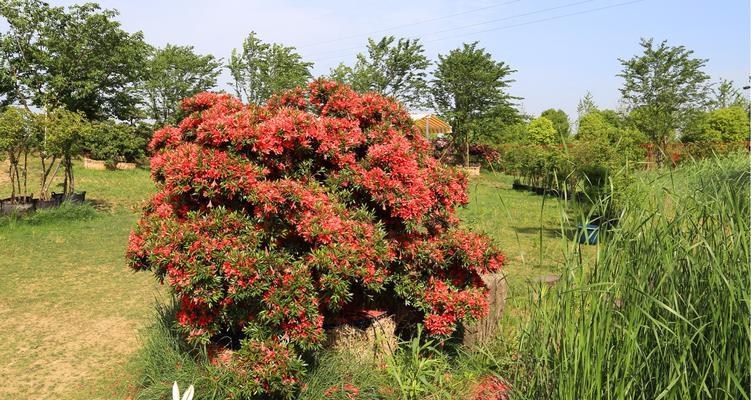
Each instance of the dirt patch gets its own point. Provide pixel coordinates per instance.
(54, 354)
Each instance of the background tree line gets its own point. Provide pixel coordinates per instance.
(79, 59)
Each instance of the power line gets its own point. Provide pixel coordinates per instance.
(541, 20)
(509, 26)
(510, 17)
(425, 21)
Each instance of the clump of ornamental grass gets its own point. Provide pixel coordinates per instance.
(664, 311)
(272, 221)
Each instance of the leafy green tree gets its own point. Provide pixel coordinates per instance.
(664, 86)
(113, 142)
(729, 124)
(594, 126)
(261, 69)
(725, 95)
(78, 58)
(17, 140)
(65, 135)
(542, 131)
(586, 105)
(396, 68)
(468, 86)
(560, 121)
(174, 73)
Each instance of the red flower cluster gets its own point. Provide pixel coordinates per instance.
(491, 388)
(343, 392)
(269, 220)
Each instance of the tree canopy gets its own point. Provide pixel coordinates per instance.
(392, 67)
(78, 58)
(260, 69)
(560, 121)
(542, 131)
(174, 73)
(469, 85)
(663, 86)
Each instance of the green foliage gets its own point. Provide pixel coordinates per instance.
(593, 126)
(65, 137)
(418, 367)
(260, 69)
(722, 125)
(730, 124)
(17, 140)
(468, 86)
(726, 95)
(542, 131)
(174, 73)
(663, 87)
(66, 212)
(586, 105)
(391, 67)
(78, 58)
(665, 312)
(113, 142)
(560, 121)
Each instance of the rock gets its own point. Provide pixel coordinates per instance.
(484, 329)
(549, 280)
(372, 342)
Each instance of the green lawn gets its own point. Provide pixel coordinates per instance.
(72, 311)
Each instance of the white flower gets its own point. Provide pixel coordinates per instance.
(188, 395)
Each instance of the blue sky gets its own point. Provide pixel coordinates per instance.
(560, 48)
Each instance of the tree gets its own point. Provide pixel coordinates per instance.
(65, 133)
(560, 121)
(469, 85)
(174, 73)
(275, 224)
(391, 67)
(664, 85)
(542, 131)
(586, 105)
(729, 124)
(78, 58)
(17, 140)
(260, 69)
(725, 95)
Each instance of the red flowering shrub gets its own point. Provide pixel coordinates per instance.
(269, 220)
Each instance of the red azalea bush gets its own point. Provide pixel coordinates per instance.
(270, 220)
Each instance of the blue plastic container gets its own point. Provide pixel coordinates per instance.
(588, 233)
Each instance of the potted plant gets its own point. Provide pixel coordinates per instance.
(64, 136)
(16, 143)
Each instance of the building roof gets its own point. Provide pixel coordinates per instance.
(430, 124)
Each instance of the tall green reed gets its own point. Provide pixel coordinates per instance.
(663, 312)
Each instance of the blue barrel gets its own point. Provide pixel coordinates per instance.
(588, 233)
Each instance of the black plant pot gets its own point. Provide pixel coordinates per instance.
(8, 207)
(43, 204)
(77, 197)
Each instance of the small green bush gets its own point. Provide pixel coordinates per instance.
(67, 211)
(113, 142)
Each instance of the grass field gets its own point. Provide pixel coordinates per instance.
(72, 311)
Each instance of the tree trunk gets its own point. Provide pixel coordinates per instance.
(466, 151)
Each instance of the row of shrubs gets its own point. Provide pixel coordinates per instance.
(589, 169)
(57, 137)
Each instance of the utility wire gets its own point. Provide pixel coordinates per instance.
(411, 24)
(510, 17)
(537, 21)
